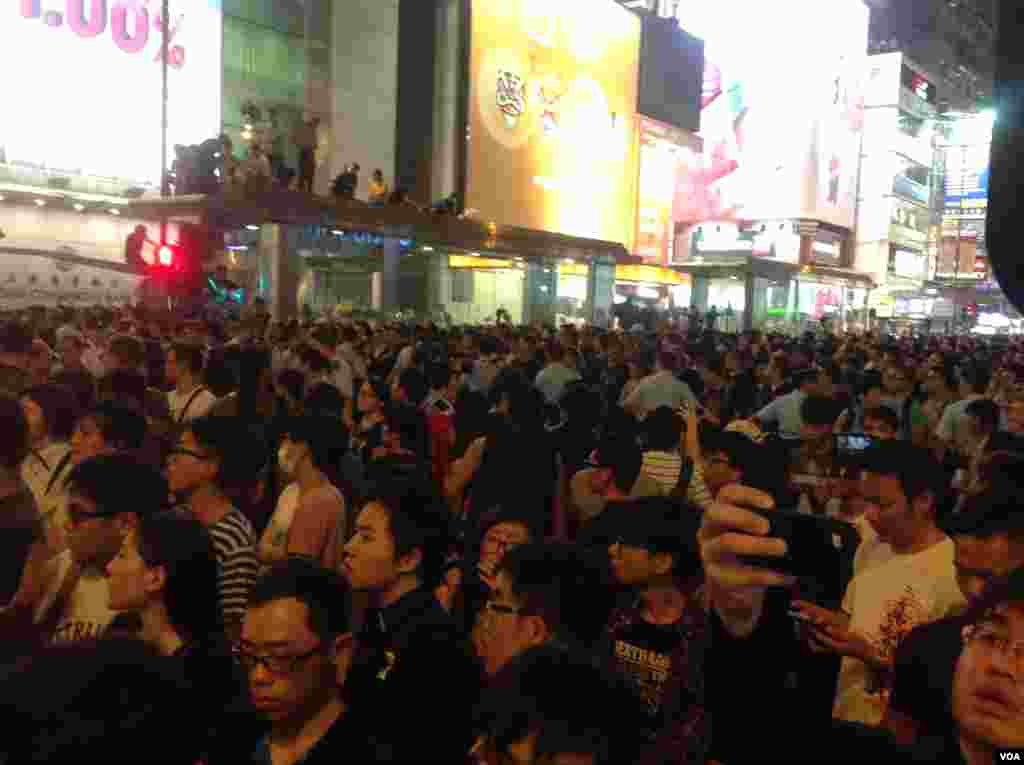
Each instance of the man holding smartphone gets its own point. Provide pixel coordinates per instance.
(901, 486)
(748, 624)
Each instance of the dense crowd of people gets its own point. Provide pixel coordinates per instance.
(285, 542)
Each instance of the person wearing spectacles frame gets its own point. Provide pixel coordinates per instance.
(295, 650)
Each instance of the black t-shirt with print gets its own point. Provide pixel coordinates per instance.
(643, 652)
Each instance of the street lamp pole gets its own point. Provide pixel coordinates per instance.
(164, 181)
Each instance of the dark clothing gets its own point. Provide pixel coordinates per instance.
(20, 528)
(14, 380)
(411, 664)
(745, 682)
(665, 665)
(344, 742)
(307, 169)
(925, 662)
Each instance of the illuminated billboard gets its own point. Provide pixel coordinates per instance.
(661, 148)
(553, 94)
(82, 84)
(782, 112)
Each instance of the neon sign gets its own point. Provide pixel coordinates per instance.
(129, 37)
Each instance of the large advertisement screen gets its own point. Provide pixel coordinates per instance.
(553, 94)
(783, 112)
(661, 148)
(82, 84)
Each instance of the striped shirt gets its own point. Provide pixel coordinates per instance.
(664, 468)
(234, 543)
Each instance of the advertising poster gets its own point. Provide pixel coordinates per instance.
(967, 172)
(553, 94)
(781, 137)
(82, 84)
(661, 149)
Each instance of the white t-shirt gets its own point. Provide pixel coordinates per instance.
(198, 406)
(885, 602)
(87, 613)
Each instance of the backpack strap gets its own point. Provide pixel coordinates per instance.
(184, 411)
(57, 471)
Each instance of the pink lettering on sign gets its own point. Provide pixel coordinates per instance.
(87, 27)
(130, 23)
(119, 29)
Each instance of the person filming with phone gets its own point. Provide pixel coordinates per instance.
(755, 555)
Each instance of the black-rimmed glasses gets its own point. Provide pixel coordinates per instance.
(275, 665)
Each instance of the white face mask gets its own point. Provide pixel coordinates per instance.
(288, 459)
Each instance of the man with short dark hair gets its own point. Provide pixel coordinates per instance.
(556, 374)
(557, 708)
(128, 352)
(988, 539)
(296, 648)
(190, 399)
(101, 514)
(751, 630)
(408, 643)
(662, 388)
(656, 635)
(536, 587)
(901, 487)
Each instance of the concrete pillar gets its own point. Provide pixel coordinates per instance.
(600, 293)
(439, 284)
(279, 270)
(540, 292)
(699, 293)
(385, 281)
(748, 302)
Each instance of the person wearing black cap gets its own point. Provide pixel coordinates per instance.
(751, 634)
(988, 538)
(656, 635)
(616, 474)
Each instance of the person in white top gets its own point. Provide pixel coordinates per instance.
(190, 399)
(310, 519)
(102, 514)
(901, 487)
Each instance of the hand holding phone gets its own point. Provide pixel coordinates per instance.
(812, 546)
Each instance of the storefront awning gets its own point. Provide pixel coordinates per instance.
(838, 275)
(236, 210)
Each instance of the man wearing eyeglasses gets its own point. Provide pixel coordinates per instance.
(749, 623)
(101, 513)
(988, 537)
(530, 604)
(295, 649)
